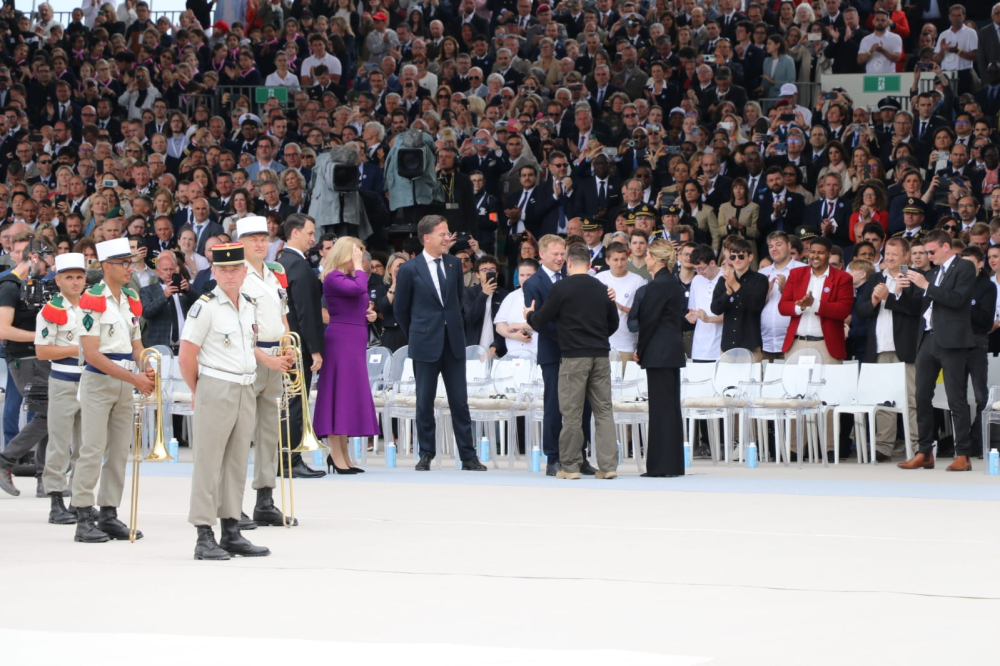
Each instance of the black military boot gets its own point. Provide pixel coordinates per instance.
(266, 513)
(107, 521)
(206, 548)
(234, 543)
(58, 515)
(86, 532)
(246, 523)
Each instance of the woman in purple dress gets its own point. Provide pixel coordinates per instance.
(344, 405)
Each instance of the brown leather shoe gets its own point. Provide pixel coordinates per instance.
(919, 461)
(960, 464)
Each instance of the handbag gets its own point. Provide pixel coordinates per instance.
(374, 335)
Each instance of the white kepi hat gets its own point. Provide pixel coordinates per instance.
(71, 261)
(117, 248)
(254, 224)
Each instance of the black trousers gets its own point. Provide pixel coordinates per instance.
(295, 407)
(665, 448)
(978, 370)
(552, 417)
(452, 370)
(36, 431)
(931, 359)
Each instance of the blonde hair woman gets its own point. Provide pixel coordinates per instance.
(392, 335)
(657, 315)
(344, 405)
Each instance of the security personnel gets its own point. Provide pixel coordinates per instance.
(914, 211)
(218, 360)
(673, 210)
(57, 341)
(593, 234)
(111, 342)
(265, 284)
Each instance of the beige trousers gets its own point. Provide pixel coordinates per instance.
(268, 389)
(579, 379)
(64, 434)
(106, 406)
(885, 422)
(223, 423)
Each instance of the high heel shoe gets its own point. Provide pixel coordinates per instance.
(357, 470)
(332, 467)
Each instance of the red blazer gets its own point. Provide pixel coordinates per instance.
(835, 306)
(881, 216)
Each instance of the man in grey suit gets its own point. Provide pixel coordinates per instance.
(165, 304)
(428, 307)
(989, 43)
(202, 226)
(945, 341)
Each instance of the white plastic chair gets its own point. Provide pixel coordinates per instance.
(500, 399)
(801, 377)
(839, 389)
(991, 416)
(729, 377)
(879, 383)
(379, 361)
(630, 407)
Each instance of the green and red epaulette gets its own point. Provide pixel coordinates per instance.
(134, 304)
(94, 299)
(55, 312)
(279, 272)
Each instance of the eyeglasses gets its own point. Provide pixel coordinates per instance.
(45, 161)
(127, 263)
(737, 257)
(947, 227)
(466, 260)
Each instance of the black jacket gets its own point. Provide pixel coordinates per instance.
(741, 311)
(952, 301)
(305, 302)
(574, 303)
(657, 315)
(984, 304)
(474, 311)
(906, 320)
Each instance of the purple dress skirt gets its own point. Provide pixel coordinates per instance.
(344, 404)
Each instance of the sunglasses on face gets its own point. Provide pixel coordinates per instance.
(737, 257)
(948, 227)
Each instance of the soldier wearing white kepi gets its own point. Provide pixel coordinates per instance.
(57, 340)
(265, 284)
(111, 343)
(219, 359)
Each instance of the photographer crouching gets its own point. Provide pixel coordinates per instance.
(23, 293)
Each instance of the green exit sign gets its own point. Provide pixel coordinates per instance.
(882, 83)
(264, 94)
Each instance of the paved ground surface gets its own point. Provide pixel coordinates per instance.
(727, 566)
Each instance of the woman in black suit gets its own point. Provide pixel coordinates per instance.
(384, 294)
(657, 315)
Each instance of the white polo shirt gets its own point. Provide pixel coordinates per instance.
(966, 39)
(773, 324)
(878, 63)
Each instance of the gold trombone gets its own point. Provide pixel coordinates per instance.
(158, 452)
(293, 384)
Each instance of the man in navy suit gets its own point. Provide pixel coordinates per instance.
(534, 208)
(830, 214)
(780, 210)
(428, 307)
(552, 251)
(599, 192)
(372, 178)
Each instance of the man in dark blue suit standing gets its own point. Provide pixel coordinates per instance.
(552, 251)
(428, 307)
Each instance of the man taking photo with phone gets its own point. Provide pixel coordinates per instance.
(480, 305)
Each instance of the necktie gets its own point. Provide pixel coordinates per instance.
(923, 128)
(582, 142)
(753, 185)
(440, 272)
(556, 277)
(825, 209)
(602, 197)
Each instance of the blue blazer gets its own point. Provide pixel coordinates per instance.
(536, 288)
(422, 316)
(784, 73)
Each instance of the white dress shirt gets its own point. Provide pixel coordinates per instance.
(432, 267)
(809, 324)
(884, 337)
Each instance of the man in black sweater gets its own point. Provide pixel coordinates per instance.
(584, 371)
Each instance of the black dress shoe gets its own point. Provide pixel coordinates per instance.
(107, 522)
(473, 465)
(586, 468)
(302, 471)
(424, 464)
(206, 547)
(551, 469)
(235, 543)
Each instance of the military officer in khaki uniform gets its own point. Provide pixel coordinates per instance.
(57, 340)
(218, 359)
(111, 344)
(265, 284)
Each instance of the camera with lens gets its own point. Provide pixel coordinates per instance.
(36, 292)
(630, 143)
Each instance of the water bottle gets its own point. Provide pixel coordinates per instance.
(416, 450)
(687, 455)
(319, 460)
(458, 462)
(536, 459)
(994, 462)
(484, 450)
(357, 447)
(752, 455)
(390, 455)
(172, 449)
(619, 454)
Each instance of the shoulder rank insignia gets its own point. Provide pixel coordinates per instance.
(196, 308)
(94, 299)
(250, 300)
(55, 312)
(134, 304)
(279, 272)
